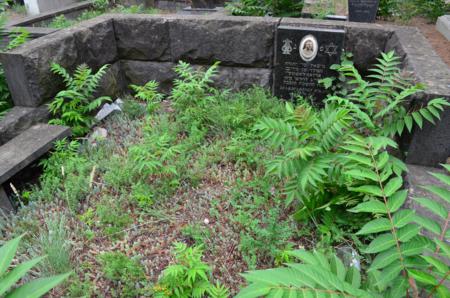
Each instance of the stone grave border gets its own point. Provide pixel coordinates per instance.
(145, 47)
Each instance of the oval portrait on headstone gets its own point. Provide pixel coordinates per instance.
(308, 48)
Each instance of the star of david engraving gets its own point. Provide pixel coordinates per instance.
(331, 49)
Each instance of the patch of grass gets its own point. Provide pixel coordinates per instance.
(54, 242)
(265, 231)
(197, 233)
(112, 218)
(127, 273)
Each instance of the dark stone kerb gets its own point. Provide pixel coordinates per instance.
(27, 68)
(205, 39)
(235, 41)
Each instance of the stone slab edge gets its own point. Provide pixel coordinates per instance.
(31, 144)
(18, 119)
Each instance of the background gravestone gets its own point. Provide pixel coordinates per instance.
(302, 57)
(362, 10)
(208, 4)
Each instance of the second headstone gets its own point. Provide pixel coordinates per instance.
(362, 10)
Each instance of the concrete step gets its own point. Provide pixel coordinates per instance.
(26, 148)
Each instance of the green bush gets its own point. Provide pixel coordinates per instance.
(128, 274)
(432, 9)
(283, 8)
(74, 106)
(188, 277)
(406, 9)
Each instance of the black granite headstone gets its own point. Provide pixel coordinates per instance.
(362, 10)
(303, 56)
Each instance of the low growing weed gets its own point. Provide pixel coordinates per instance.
(188, 277)
(127, 273)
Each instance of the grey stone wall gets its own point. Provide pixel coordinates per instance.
(431, 144)
(145, 47)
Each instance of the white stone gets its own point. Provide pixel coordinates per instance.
(108, 109)
(443, 26)
(99, 133)
(35, 7)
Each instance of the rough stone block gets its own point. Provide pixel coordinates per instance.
(142, 37)
(140, 72)
(443, 26)
(27, 68)
(28, 147)
(430, 145)
(236, 78)
(238, 41)
(365, 43)
(112, 83)
(95, 41)
(18, 119)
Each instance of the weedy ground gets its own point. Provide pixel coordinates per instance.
(160, 177)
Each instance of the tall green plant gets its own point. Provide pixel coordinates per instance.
(192, 93)
(380, 101)
(148, 93)
(311, 143)
(74, 105)
(310, 159)
(9, 278)
(406, 263)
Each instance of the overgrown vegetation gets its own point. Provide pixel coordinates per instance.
(284, 8)
(329, 161)
(406, 9)
(99, 8)
(188, 190)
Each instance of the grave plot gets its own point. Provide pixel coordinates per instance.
(204, 174)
